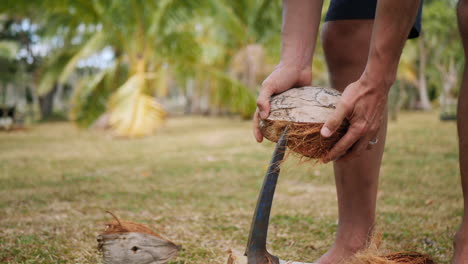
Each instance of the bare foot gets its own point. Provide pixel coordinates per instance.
(460, 244)
(345, 247)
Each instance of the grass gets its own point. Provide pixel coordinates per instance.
(196, 182)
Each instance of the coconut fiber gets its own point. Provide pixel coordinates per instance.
(304, 139)
(371, 255)
(304, 110)
(121, 226)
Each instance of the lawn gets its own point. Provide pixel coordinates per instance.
(196, 182)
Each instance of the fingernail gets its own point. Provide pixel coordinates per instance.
(325, 132)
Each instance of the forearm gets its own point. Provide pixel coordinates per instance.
(301, 19)
(393, 22)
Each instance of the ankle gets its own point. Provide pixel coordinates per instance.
(460, 245)
(353, 241)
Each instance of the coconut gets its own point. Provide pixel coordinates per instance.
(304, 110)
(126, 242)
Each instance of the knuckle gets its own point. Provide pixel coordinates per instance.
(260, 102)
(361, 129)
(347, 106)
(337, 152)
(270, 85)
(255, 123)
(374, 128)
(332, 123)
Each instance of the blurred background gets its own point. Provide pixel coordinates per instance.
(127, 65)
(188, 73)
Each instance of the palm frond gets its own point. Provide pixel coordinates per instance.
(93, 45)
(232, 94)
(8, 49)
(50, 71)
(90, 96)
(133, 113)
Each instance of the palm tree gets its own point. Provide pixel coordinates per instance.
(243, 40)
(145, 37)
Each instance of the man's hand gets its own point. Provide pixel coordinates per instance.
(281, 79)
(363, 104)
(301, 21)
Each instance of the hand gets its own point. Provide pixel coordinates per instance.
(281, 79)
(363, 104)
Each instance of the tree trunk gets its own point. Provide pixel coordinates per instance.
(449, 79)
(424, 102)
(46, 103)
(58, 98)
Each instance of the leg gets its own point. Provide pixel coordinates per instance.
(346, 45)
(461, 239)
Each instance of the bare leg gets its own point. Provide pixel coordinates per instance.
(461, 239)
(346, 46)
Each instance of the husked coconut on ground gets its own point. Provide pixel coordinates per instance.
(125, 242)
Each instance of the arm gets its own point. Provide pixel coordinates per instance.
(301, 19)
(363, 102)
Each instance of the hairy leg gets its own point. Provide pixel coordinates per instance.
(346, 46)
(461, 239)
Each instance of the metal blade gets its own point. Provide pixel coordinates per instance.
(256, 246)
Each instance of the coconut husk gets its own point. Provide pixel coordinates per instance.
(126, 242)
(363, 257)
(373, 256)
(304, 110)
(120, 226)
(304, 139)
(370, 255)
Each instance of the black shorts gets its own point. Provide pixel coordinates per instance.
(363, 9)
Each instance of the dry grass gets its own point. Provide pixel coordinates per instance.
(196, 183)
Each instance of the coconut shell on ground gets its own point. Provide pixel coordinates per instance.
(125, 242)
(304, 110)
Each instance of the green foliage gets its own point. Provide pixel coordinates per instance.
(442, 37)
(149, 38)
(435, 56)
(189, 40)
(8, 49)
(89, 100)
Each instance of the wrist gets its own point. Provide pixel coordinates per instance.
(381, 68)
(296, 53)
(378, 77)
(295, 66)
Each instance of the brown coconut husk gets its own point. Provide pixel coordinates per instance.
(371, 255)
(126, 242)
(304, 110)
(404, 257)
(363, 257)
(304, 139)
(121, 226)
